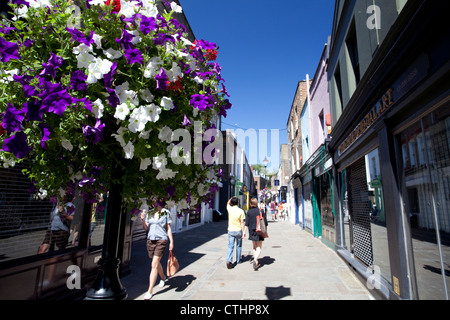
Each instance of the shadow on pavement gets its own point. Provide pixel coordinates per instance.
(136, 283)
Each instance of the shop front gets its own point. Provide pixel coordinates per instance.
(40, 260)
(392, 165)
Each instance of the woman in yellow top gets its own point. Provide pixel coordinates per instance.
(236, 231)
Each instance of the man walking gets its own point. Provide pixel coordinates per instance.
(236, 230)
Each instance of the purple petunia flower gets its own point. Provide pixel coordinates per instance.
(135, 212)
(205, 45)
(125, 39)
(200, 101)
(133, 56)
(57, 102)
(161, 80)
(93, 134)
(45, 134)
(80, 37)
(87, 103)
(186, 122)
(28, 43)
(108, 78)
(53, 63)
(12, 119)
(8, 50)
(86, 181)
(17, 145)
(170, 191)
(33, 111)
(161, 39)
(20, 2)
(148, 25)
(78, 81)
(55, 97)
(7, 30)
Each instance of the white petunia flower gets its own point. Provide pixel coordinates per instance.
(129, 150)
(146, 95)
(175, 7)
(112, 54)
(154, 111)
(159, 162)
(176, 70)
(167, 103)
(96, 2)
(138, 119)
(124, 94)
(145, 134)
(166, 174)
(66, 144)
(42, 194)
(152, 67)
(145, 163)
(97, 40)
(182, 205)
(119, 136)
(122, 111)
(97, 69)
(202, 189)
(85, 59)
(165, 134)
(98, 108)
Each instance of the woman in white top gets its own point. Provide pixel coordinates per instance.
(159, 230)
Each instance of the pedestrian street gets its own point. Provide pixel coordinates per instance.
(294, 266)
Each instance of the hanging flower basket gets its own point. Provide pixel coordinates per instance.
(85, 90)
(265, 195)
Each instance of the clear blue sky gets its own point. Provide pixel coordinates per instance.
(266, 47)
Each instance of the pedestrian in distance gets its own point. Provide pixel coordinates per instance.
(281, 211)
(159, 230)
(276, 211)
(272, 209)
(256, 239)
(236, 230)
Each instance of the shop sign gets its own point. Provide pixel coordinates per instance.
(409, 79)
(381, 107)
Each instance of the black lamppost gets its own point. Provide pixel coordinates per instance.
(265, 163)
(107, 285)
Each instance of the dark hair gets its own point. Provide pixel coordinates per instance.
(254, 203)
(234, 201)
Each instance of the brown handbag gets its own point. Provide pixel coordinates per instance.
(172, 264)
(261, 227)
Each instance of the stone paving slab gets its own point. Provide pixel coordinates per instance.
(294, 266)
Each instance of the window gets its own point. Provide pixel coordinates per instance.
(425, 148)
(352, 48)
(400, 5)
(29, 225)
(338, 85)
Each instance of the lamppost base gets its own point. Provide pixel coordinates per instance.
(107, 285)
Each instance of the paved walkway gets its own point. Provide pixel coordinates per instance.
(294, 266)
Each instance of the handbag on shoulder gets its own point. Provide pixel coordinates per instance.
(172, 264)
(261, 227)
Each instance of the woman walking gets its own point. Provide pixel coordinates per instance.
(159, 230)
(250, 222)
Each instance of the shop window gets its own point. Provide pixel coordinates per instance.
(426, 176)
(29, 225)
(97, 226)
